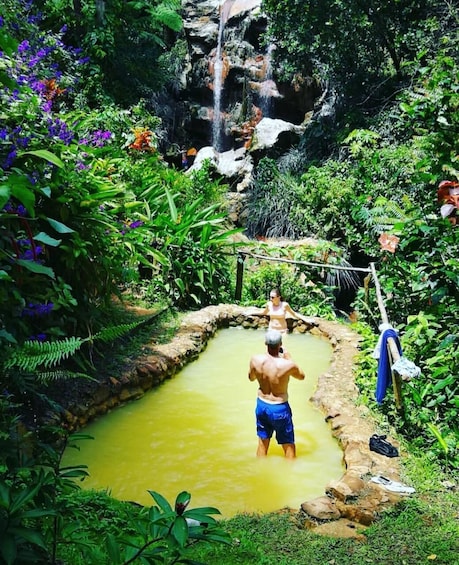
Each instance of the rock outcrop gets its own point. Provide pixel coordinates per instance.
(250, 88)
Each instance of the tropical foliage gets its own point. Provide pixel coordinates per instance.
(80, 217)
(89, 207)
(375, 192)
(359, 48)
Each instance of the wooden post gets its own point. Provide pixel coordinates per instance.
(392, 346)
(239, 275)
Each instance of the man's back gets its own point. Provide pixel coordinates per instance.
(273, 374)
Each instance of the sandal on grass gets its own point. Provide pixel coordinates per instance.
(380, 445)
(393, 486)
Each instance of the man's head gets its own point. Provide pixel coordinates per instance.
(273, 339)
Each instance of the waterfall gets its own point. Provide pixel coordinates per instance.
(218, 84)
(268, 87)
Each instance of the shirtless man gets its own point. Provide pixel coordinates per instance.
(273, 370)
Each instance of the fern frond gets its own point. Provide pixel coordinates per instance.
(167, 15)
(384, 215)
(113, 332)
(33, 354)
(53, 376)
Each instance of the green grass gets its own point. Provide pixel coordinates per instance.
(421, 529)
(417, 531)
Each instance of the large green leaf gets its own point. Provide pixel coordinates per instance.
(180, 530)
(59, 226)
(172, 207)
(42, 237)
(46, 155)
(113, 549)
(5, 194)
(161, 501)
(20, 188)
(36, 268)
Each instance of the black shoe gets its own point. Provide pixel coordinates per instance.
(380, 445)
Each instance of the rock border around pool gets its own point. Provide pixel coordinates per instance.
(350, 502)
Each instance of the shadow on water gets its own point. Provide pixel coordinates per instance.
(196, 432)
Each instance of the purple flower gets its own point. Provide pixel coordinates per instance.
(60, 129)
(99, 137)
(31, 254)
(23, 141)
(38, 86)
(28, 255)
(23, 46)
(9, 159)
(80, 166)
(34, 177)
(136, 224)
(38, 337)
(37, 309)
(40, 54)
(47, 106)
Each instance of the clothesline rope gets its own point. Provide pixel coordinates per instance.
(307, 263)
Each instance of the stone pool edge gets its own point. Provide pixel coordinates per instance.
(350, 503)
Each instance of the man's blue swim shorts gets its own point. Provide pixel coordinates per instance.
(274, 418)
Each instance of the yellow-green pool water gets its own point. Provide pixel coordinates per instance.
(196, 432)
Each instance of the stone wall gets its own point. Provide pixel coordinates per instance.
(351, 502)
(161, 362)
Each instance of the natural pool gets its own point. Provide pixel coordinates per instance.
(196, 432)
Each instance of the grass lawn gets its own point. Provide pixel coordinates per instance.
(423, 528)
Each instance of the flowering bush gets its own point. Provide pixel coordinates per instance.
(61, 200)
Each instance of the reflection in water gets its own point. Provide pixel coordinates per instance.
(196, 432)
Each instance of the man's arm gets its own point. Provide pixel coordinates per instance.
(252, 370)
(294, 371)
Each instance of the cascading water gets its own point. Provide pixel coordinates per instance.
(218, 86)
(268, 87)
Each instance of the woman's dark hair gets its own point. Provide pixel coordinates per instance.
(277, 291)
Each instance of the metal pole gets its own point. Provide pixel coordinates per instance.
(239, 275)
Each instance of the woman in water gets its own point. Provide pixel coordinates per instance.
(277, 310)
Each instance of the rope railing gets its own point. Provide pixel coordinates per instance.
(307, 263)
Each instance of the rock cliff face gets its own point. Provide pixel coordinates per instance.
(230, 60)
(236, 107)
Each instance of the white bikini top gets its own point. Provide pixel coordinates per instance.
(278, 312)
